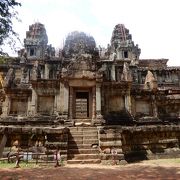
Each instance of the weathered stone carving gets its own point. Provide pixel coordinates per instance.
(150, 81)
(23, 56)
(82, 67)
(126, 74)
(9, 79)
(49, 52)
(24, 76)
(35, 72)
(113, 56)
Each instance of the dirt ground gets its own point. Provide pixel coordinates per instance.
(157, 169)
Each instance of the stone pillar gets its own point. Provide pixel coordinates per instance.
(46, 74)
(113, 73)
(6, 106)
(34, 102)
(71, 103)
(29, 106)
(154, 107)
(128, 102)
(98, 99)
(55, 104)
(155, 75)
(139, 78)
(97, 116)
(3, 144)
(60, 102)
(63, 100)
(94, 103)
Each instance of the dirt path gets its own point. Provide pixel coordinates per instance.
(145, 170)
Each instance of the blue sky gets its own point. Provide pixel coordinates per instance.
(154, 24)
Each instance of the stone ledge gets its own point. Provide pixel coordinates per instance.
(35, 130)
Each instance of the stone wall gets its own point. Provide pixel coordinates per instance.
(116, 103)
(110, 143)
(151, 142)
(143, 107)
(46, 104)
(18, 106)
(35, 140)
(139, 143)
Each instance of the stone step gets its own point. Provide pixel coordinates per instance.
(86, 141)
(82, 129)
(112, 157)
(82, 132)
(68, 124)
(83, 151)
(82, 124)
(82, 138)
(85, 122)
(86, 161)
(82, 120)
(117, 143)
(80, 146)
(83, 156)
(73, 133)
(90, 133)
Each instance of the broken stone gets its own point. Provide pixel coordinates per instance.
(150, 81)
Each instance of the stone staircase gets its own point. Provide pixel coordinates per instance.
(82, 122)
(83, 146)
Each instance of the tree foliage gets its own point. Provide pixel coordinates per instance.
(7, 14)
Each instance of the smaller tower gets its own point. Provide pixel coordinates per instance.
(36, 41)
(122, 44)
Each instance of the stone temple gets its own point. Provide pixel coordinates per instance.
(93, 104)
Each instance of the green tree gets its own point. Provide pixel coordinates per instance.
(7, 14)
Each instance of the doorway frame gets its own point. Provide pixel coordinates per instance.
(90, 103)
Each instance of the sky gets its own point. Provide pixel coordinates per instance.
(154, 24)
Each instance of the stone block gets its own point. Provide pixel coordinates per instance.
(123, 162)
(168, 141)
(111, 143)
(112, 157)
(110, 136)
(17, 130)
(106, 151)
(27, 130)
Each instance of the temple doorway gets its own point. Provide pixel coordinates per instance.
(82, 105)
